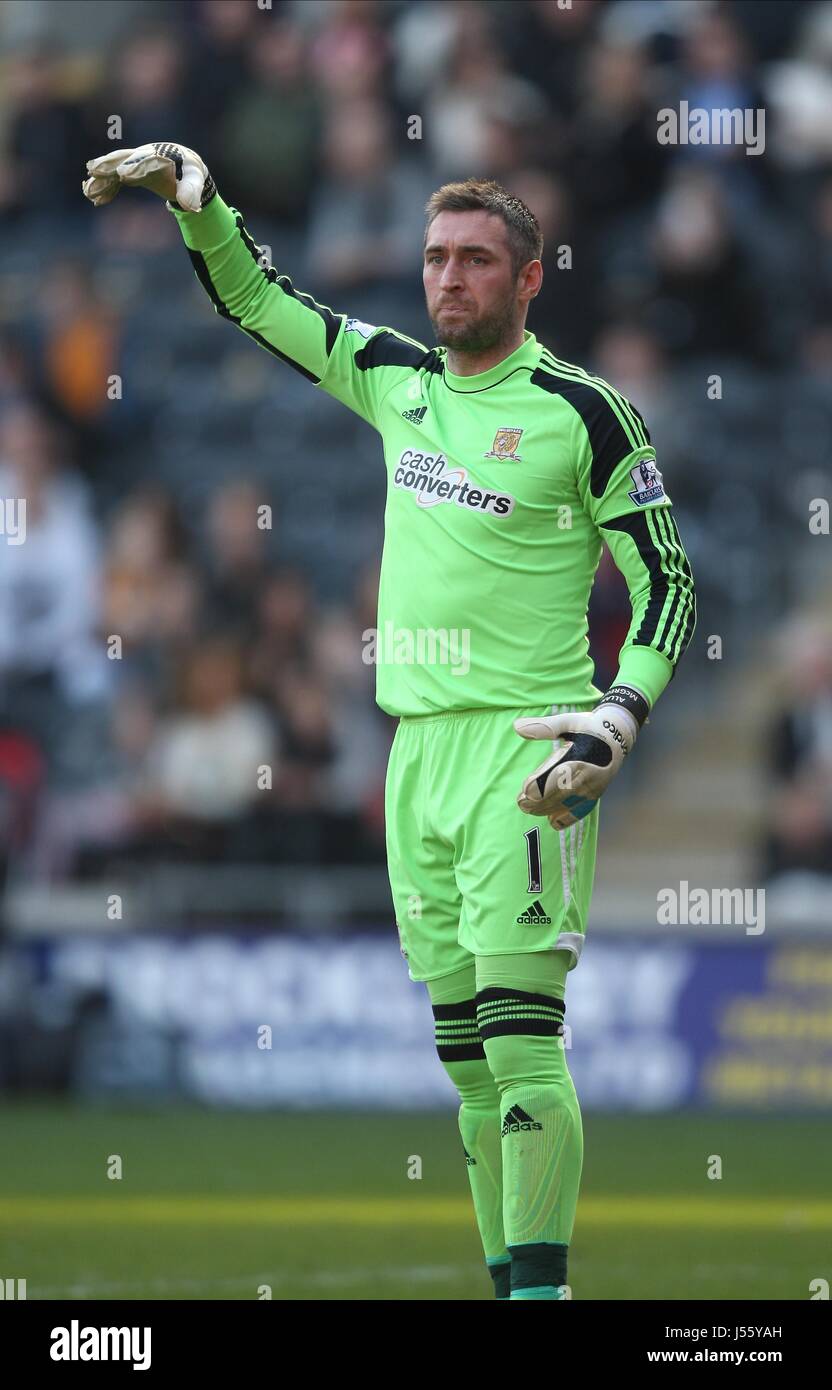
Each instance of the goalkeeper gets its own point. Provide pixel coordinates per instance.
(507, 469)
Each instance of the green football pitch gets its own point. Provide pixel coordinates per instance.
(217, 1205)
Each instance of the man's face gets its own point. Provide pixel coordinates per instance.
(474, 300)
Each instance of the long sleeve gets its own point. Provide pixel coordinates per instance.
(355, 362)
(622, 491)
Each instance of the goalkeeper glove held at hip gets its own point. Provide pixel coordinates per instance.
(592, 748)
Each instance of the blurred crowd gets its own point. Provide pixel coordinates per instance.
(179, 678)
(798, 843)
(171, 695)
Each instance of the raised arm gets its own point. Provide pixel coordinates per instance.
(355, 362)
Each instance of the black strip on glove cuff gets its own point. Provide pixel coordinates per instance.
(209, 191)
(627, 698)
(209, 188)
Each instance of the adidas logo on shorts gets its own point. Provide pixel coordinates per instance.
(534, 916)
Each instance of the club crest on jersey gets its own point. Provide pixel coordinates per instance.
(505, 442)
(648, 483)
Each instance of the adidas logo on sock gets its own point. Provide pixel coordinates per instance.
(534, 916)
(468, 1159)
(518, 1119)
(415, 416)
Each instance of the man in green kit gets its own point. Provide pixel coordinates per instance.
(507, 468)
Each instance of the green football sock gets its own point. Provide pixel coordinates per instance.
(479, 1127)
(462, 1054)
(519, 1011)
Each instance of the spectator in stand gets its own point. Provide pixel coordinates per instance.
(706, 300)
(816, 274)
(285, 618)
(52, 658)
(218, 60)
(565, 309)
(349, 55)
(362, 733)
(799, 756)
(45, 139)
(717, 74)
(365, 233)
(151, 591)
(16, 381)
(236, 562)
(146, 89)
(205, 766)
(78, 345)
(615, 162)
(547, 44)
(267, 151)
(629, 356)
(474, 86)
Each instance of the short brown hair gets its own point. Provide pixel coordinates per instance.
(525, 239)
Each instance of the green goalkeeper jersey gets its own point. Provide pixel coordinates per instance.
(501, 488)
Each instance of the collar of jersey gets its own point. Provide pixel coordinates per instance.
(525, 356)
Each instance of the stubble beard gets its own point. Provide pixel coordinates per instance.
(480, 334)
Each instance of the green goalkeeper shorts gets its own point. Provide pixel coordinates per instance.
(472, 874)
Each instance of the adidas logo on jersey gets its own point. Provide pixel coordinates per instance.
(518, 1119)
(471, 1162)
(534, 916)
(415, 416)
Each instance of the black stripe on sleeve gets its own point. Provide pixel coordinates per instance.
(680, 573)
(203, 275)
(386, 348)
(608, 439)
(667, 566)
(679, 597)
(332, 321)
(389, 349)
(635, 525)
(688, 622)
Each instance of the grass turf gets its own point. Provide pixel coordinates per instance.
(214, 1205)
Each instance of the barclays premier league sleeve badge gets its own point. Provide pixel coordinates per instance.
(648, 483)
(366, 330)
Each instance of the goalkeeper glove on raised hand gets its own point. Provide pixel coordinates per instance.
(593, 747)
(170, 171)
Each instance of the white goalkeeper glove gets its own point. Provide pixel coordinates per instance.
(592, 748)
(172, 172)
